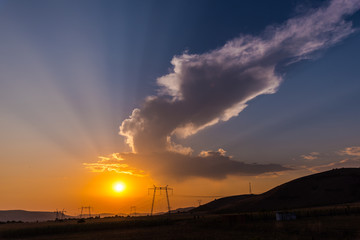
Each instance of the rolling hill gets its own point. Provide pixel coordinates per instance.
(336, 186)
(27, 216)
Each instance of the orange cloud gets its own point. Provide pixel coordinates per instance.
(351, 151)
(311, 156)
(113, 163)
(345, 163)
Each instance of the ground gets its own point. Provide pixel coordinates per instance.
(190, 226)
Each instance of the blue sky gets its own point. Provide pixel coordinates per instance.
(71, 72)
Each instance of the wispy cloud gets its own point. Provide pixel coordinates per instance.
(351, 151)
(270, 175)
(344, 163)
(114, 163)
(348, 157)
(311, 156)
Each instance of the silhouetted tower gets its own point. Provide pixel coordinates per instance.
(133, 210)
(166, 189)
(60, 214)
(250, 188)
(57, 215)
(85, 208)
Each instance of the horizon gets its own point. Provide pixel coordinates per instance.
(134, 213)
(103, 100)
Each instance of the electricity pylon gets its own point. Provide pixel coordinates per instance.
(60, 214)
(84, 208)
(166, 189)
(133, 210)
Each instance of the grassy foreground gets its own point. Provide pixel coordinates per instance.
(186, 226)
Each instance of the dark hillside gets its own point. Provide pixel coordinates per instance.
(336, 186)
(26, 216)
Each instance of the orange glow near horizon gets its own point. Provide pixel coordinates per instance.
(115, 185)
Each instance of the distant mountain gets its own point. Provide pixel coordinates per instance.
(336, 186)
(27, 216)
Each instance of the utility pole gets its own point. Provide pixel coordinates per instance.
(166, 189)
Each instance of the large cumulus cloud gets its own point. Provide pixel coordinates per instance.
(204, 89)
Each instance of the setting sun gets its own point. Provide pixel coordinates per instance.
(119, 187)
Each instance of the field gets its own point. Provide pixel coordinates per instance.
(320, 223)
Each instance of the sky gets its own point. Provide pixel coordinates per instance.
(203, 96)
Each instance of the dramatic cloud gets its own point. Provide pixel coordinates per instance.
(211, 164)
(204, 89)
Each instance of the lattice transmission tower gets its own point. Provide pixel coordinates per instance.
(83, 209)
(160, 189)
(60, 215)
(132, 211)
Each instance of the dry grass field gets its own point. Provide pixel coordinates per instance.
(320, 223)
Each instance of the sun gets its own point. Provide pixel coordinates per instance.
(119, 187)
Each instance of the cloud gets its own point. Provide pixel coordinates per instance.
(346, 158)
(204, 89)
(172, 165)
(114, 163)
(344, 163)
(270, 175)
(351, 151)
(311, 156)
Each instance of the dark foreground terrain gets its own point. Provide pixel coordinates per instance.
(335, 222)
(337, 186)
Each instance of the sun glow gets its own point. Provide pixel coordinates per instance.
(119, 187)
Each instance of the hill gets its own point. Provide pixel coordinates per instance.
(336, 186)
(26, 216)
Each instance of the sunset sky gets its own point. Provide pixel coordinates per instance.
(203, 96)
